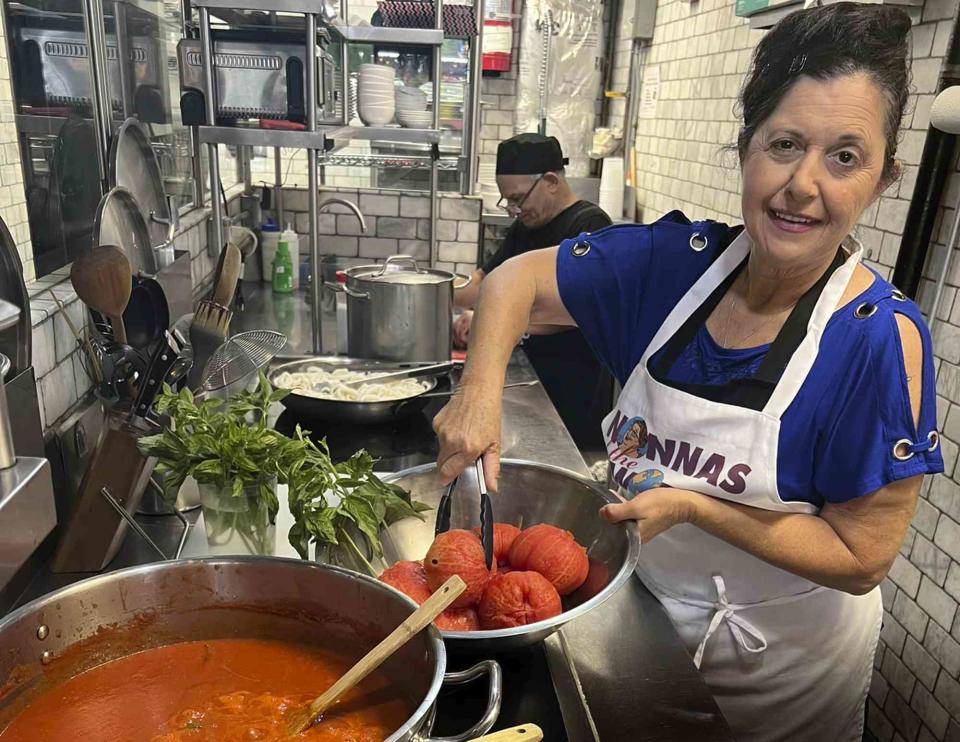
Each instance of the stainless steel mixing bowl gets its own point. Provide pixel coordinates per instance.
(530, 493)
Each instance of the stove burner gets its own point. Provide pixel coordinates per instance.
(397, 444)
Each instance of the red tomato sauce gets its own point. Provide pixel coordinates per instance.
(223, 690)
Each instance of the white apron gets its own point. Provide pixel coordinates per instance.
(785, 658)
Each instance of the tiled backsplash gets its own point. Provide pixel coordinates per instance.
(397, 224)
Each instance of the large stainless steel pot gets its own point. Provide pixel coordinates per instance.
(117, 614)
(399, 311)
(530, 493)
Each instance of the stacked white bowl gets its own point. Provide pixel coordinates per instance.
(376, 102)
(487, 182)
(412, 108)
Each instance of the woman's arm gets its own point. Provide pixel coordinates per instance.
(466, 297)
(520, 292)
(848, 546)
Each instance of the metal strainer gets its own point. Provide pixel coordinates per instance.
(240, 357)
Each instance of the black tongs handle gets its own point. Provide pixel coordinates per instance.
(486, 516)
(486, 513)
(443, 509)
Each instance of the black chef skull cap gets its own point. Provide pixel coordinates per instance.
(530, 154)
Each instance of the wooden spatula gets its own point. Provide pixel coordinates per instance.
(303, 718)
(522, 733)
(102, 280)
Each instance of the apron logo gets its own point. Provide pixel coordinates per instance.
(629, 440)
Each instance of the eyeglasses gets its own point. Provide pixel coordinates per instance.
(513, 208)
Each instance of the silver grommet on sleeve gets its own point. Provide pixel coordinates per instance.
(901, 450)
(865, 310)
(698, 242)
(897, 295)
(934, 437)
(580, 248)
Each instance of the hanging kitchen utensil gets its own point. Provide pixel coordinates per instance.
(302, 719)
(486, 513)
(119, 222)
(101, 278)
(522, 733)
(15, 342)
(147, 316)
(134, 166)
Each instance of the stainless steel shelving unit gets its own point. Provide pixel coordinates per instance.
(315, 140)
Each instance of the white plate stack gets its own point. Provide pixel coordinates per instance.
(611, 187)
(412, 108)
(376, 98)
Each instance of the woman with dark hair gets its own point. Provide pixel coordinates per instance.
(787, 391)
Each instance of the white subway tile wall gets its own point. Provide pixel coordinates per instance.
(396, 224)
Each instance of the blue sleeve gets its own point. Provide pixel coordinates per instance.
(869, 413)
(621, 289)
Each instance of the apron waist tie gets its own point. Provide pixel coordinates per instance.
(748, 636)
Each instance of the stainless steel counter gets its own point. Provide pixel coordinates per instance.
(620, 673)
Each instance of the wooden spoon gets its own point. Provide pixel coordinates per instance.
(228, 273)
(304, 718)
(522, 733)
(102, 280)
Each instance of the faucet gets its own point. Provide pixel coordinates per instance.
(350, 205)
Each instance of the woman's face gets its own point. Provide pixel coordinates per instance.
(811, 168)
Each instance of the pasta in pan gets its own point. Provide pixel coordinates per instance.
(316, 382)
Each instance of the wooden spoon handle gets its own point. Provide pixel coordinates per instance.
(522, 733)
(229, 274)
(416, 622)
(119, 329)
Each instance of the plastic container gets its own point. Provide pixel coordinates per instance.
(269, 239)
(293, 246)
(282, 270)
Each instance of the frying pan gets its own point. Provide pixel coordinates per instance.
(313, 408)
(147, 315)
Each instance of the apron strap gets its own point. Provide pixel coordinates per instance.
(755, 391)
(747, 636)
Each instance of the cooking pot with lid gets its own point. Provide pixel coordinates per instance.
(399, 311)
(103, 618)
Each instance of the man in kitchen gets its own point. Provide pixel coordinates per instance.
(534, 190)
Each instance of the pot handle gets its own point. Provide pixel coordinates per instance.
(394, 259)
(342, 287)
(489, 718)
(467, 280)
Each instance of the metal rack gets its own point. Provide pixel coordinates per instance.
(316, 140)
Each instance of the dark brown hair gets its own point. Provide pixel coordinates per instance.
(824, 43)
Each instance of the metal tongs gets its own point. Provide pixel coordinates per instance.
(486, 513)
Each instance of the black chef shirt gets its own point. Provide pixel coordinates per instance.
(579, 386)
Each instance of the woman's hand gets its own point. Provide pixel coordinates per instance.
(468, 427)
(655, 510)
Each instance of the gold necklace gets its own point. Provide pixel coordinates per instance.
(761, 326)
